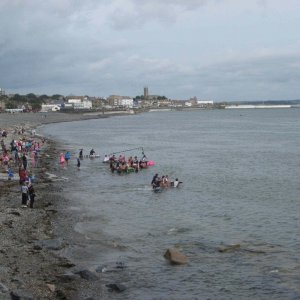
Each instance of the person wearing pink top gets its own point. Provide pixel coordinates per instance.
(62, 159)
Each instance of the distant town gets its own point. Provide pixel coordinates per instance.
(74, 103)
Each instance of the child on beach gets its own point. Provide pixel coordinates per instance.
(10, 174)
(31, 195)
(24, 190)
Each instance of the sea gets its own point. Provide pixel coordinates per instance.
(240, 171)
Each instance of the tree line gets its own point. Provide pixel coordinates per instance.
(29, 101)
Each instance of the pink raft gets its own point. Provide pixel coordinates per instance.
(150, 163)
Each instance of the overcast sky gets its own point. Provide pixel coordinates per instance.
(223, 50)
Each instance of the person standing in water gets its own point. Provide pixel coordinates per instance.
(62, 160)
(78, 163)
(67, 157)
(176, 183)
(81, 154)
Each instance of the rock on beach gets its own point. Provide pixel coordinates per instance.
(175, 257)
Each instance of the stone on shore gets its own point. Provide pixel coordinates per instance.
(67, 277)
(87, 275)
(229, 248)
(3, 288)
(117, 287)
(55, 244)
(51, 287)
(21, 295)
(175, 257)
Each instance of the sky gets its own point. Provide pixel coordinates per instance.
(221, 50)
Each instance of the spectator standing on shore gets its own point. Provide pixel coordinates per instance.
(24, 161)
(31, 194)
(24, 190)
(22, 175)
(35, 158)
(10, 173)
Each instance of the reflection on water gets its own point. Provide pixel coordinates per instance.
(241, 186)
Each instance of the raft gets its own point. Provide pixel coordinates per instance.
(91, 156)
(150, 163)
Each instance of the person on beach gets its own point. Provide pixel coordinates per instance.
(24, 190)
(10, 173)
(92, 152)
(35, 158)
(31, 194)
(24, 161)
(22, 175)
(4, 133)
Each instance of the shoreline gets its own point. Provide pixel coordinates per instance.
(32, 263)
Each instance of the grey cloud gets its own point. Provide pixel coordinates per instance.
(66, 46)
(252, 78)
(139, 12)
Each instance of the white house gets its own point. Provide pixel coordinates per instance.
(127, 102)
(50, 107)
(81, 104)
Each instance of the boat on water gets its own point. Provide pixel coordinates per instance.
(132, 164)
(91, 156)
(127, 168)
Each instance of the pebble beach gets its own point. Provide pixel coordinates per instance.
(31, 264)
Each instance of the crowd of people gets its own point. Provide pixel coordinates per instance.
(14, 156)
(122, 165)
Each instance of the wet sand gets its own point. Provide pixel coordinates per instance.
(31, 264)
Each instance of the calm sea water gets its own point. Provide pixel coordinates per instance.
(240, 171)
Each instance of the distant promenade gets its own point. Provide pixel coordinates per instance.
(258, 106)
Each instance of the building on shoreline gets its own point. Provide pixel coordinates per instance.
(146, 92)
(120, 101)
(79, 103)
(50, 107)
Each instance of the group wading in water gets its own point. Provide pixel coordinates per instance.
(118, 163)
(27, 149)
(132, 164)
(160, 182)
